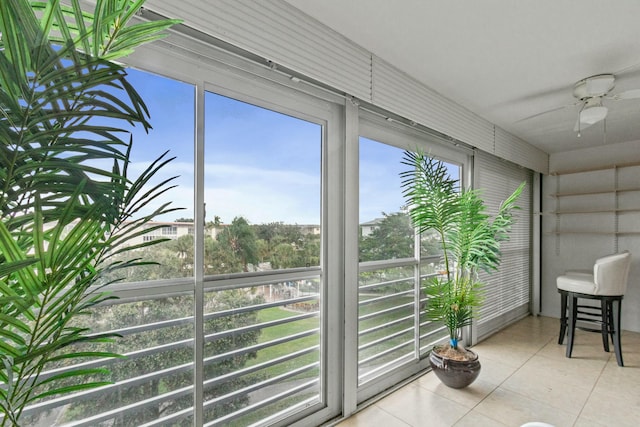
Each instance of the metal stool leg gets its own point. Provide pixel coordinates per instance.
(573, 313)
(616, 311)
(605, 306)
(563, 316)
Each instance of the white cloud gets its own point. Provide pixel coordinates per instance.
(262, 195)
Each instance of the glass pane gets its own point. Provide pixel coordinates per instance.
(262, 352)
(157, 340)
(386, 320)
(386, 301)
(263, 331)
(388, 308)
(156, 330)
(385, 227)
(171, 109)
(430, 242)
(430, 332)
(262, 188)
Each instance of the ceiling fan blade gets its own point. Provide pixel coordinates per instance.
(628, 94)
(628, 68)
(546, 112)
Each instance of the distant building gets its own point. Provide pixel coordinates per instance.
(174, 230)
(366, 228)
(169, 230)
(309, 229)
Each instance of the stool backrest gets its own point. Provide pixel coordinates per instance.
(610, 274)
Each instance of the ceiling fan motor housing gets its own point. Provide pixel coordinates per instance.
(594, 86)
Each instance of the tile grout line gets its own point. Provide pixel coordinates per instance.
(509, 376)
(592, 389)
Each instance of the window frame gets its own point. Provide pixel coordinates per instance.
(199, 62)
(212, 69)
(377, 127)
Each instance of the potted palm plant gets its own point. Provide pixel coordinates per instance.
(65, 108)
(470, 241)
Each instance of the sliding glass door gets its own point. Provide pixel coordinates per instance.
(264, 295)
(393, 334)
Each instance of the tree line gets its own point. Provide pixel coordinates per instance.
(237, 247)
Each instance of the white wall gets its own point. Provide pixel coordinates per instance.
(561, 252)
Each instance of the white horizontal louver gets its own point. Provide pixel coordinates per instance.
(507, 289)
(395, 91)
(511, 148)
(280, 33)
(276, 31)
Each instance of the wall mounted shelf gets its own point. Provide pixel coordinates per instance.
(609, 197)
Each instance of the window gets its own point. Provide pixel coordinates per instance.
(170, 230)
(393, 333)
(262, 188)
(263, 325)
(386, 294)
(251, 297)
(156, 324)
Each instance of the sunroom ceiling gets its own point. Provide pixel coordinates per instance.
(507, 60)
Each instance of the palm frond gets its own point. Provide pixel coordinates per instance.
(469, 238)
(62, 216)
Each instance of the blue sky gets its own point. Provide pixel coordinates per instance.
(259, 164)
(380, 189)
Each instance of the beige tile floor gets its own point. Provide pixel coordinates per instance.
(525, 377)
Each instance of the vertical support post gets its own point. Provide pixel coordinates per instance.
(557, 208)
(351, 268)
(536, 247)
(615, 212)
(200, 220)
(605, 306)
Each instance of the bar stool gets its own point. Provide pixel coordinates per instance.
(607, 284)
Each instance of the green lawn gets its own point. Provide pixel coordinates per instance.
(279, 331)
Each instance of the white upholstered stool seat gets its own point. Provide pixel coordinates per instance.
(573, 282)
(607, 284)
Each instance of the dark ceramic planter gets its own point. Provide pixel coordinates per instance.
(455, 373)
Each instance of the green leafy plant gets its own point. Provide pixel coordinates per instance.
(65, 109)
(469, 238)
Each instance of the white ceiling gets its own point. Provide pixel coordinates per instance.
(506, 60)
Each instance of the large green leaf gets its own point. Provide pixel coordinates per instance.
(65, 106)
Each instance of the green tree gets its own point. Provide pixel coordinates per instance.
(275, 233)
(220, 258)
(182, 248)
(240, 239)
(263, 250)
(284, 255)
(217, 305)
(171, 261)
(309, 254)
(392, 238)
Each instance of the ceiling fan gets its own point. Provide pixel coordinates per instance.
(590, 93)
